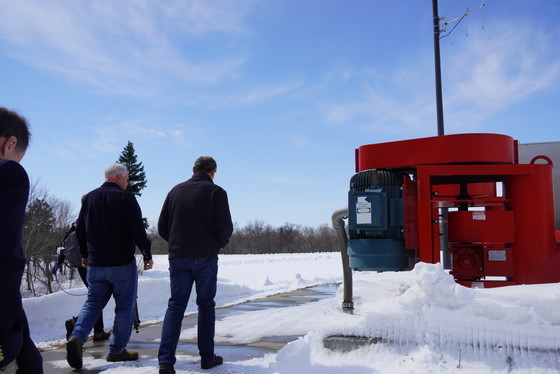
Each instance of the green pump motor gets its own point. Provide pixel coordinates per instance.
(375, 222)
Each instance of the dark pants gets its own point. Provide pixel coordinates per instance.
(29, 360)
(98, 327)
(183, 272)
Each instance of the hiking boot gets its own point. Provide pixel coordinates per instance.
(70, 324)
(101, 336)
(166, 369)
(217, 360)
(123, 356)
(74, 352)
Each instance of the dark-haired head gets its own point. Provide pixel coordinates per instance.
(205, 163)
(14, 135)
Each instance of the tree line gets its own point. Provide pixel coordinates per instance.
(259, 238)
(47, 218)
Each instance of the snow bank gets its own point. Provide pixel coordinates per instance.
(416, 322)
(425, 322)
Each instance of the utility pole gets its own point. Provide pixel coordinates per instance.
(439, 95)
(437, 37)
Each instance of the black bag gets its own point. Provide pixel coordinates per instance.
(71, 249)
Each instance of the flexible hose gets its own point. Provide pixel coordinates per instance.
(339, 226)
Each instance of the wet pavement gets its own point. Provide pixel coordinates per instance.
(146, 342)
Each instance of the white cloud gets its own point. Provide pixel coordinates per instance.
(489, 72)
(121, 46)
(198, 17)
(276, 178)
(301, 142)
(112, 137)
(248, 96)
(392, 111)
(498, 69)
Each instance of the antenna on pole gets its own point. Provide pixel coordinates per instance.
(437, 32)
(458, 19)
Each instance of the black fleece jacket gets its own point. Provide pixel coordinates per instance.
(14, 189)
(195, 218)
(110, 226)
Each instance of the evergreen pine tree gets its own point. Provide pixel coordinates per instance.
(136, 176)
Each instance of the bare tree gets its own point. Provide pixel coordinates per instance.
(46, 220)
(258, 238)
(159, 245)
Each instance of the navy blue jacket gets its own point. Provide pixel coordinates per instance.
(14, 191)
(110, 226)
(195, 218)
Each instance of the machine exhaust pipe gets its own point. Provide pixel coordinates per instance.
(339, 226)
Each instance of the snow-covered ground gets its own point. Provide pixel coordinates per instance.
(426, 322)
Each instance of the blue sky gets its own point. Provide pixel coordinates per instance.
(279, 92)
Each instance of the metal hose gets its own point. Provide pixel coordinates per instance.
(339, 226)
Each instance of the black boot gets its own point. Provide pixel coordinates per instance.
(101, 336)
(70, 324)
(217, 360)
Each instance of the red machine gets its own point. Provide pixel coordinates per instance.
(500, 213)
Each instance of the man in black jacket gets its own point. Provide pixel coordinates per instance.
(195, 221)
(17, 350)
(109, 228)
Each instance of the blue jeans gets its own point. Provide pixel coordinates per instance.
(183, 272)
(121, 282)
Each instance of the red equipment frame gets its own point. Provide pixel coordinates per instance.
(496, 236)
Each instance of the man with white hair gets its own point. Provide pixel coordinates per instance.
(109, 228)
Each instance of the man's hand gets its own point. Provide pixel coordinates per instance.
(148, 264)
(84, 262)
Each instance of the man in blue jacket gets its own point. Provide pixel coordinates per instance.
(109, 228)
(196, 222)
(17, 350)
